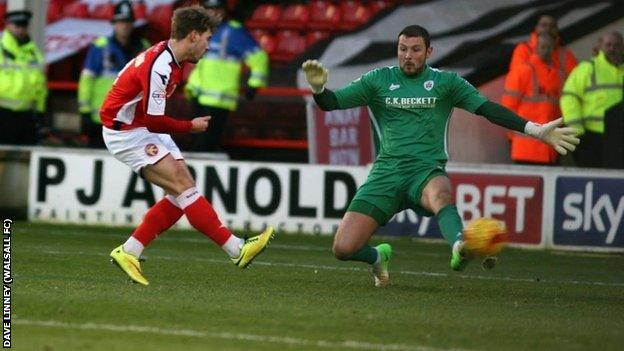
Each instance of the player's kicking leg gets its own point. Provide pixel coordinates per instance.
(162, 164)
(174, 177)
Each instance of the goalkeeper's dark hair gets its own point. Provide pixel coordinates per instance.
(188, 19)
(416, 31)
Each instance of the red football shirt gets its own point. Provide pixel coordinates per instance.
(142, 88)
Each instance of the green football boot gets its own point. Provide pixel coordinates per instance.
(380, 270)
(459, 257)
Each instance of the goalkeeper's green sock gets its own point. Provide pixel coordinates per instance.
(450, 224)
(366, 254)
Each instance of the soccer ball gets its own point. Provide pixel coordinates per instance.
(485, 236)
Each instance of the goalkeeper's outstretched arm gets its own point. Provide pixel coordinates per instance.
(501, 116)
(561, 139)
(326, 100)
(317, 75)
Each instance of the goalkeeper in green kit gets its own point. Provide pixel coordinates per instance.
(411, 105)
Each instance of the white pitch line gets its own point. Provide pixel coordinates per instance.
(292, 341)
(173, 237)
(342, 268)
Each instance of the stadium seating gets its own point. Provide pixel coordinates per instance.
(59, 9)
(314, 36)
(378, 5)
(265, 16)
(55, 11)
(76, 9)
(294, 17)
(159, 22)
(281, 29)
(103, 11)
(265, 40)
(290, 44)
(140, 10)
(3, 7)
(354, 14)
(324, 15)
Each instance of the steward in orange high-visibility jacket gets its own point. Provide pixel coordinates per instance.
(532, 90)
(562, 58)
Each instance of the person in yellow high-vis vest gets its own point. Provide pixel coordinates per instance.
(213, 85)
(23, 88)
(593, 87)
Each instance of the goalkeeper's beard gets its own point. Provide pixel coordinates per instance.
(410, 69)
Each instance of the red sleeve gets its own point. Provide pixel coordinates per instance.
(166, 124)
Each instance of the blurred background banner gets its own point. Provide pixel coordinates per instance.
(340, 137)
(68, 36)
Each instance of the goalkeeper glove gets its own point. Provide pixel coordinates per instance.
(316, 75)
(562, 139)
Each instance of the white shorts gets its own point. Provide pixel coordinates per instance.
(139, 147)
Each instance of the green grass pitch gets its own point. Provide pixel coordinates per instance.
(296, 296)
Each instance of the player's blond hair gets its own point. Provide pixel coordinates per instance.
(188, 19)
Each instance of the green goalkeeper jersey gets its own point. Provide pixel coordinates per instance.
(410, 114)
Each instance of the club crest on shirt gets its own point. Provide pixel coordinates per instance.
(428, 85)
(151, 150)
(159, 96)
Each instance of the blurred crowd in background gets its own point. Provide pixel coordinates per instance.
(545, 80)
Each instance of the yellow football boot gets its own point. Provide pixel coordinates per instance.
(253, 247)
(129, 264)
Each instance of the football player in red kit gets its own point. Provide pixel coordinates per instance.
(136, 131)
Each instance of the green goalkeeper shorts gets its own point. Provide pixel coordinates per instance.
(393, 186)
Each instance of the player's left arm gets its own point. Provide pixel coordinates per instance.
(467, 97)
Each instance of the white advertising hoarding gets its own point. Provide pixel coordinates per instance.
(541, 207)
(83, 188)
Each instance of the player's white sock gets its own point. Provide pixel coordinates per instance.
(233, 246)
(133, 247)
